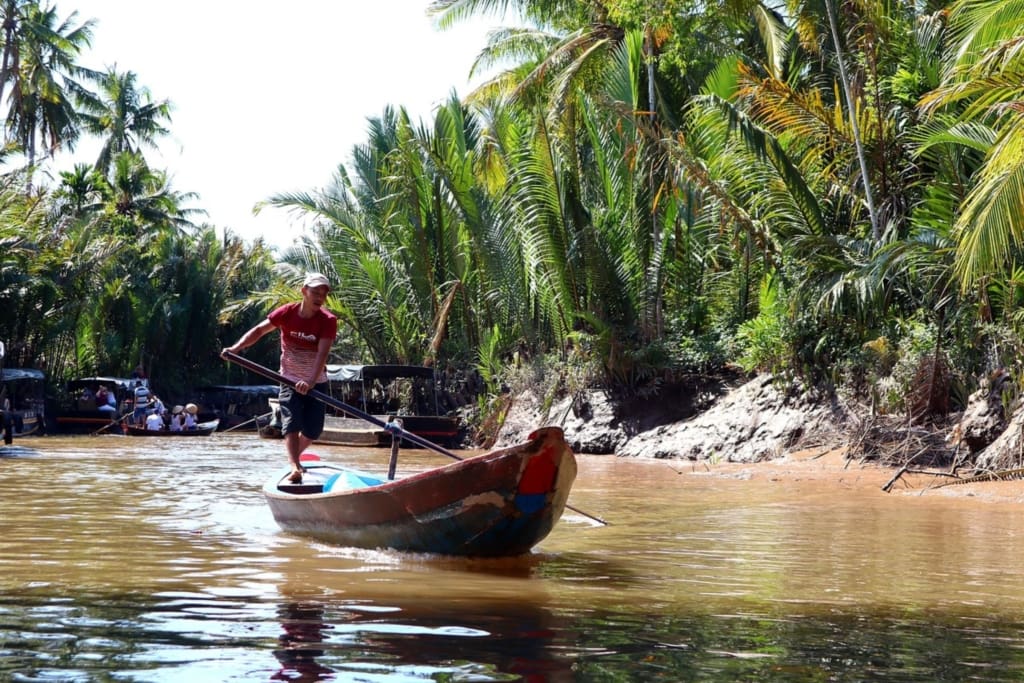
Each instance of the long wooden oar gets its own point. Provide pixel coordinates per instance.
(340, 405)
(242, 424)
(111, 424)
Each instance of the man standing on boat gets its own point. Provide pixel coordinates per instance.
(307, 334)
(140, 404)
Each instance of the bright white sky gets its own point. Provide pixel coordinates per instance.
(270, 97)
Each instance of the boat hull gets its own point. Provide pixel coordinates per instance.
(498, 504)
(83, 422)
(202, 429)
(23, 393)
(20, 423)
(350, 431)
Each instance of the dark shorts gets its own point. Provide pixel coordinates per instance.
(301, 413)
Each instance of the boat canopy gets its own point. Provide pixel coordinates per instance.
(255, 390)
(358, 373)
(112, 382)
(14, 374)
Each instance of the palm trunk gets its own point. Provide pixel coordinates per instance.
(10, 24)
(833, 23)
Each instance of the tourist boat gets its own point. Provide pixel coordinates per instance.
(408, 392)
(24, 391)
(498, 504)
(77, 411)
(202, 429)
(237, 406)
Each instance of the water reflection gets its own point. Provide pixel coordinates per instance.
(299, 651)
(413, 640)
(144, 562)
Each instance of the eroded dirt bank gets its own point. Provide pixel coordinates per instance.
(753, 429)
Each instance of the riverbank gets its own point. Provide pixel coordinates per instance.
(741, 427)
(831, 468)
(734, 419)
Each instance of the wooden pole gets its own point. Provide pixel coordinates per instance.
(396, 440)
(397, 431)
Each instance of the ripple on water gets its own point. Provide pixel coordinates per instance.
(160, 563)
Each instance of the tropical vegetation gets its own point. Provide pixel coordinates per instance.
(637, 191)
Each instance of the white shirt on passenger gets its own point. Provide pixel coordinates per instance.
(154, 422)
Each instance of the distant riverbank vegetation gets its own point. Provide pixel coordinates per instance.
(830, 191)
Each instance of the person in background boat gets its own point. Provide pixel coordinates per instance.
(176, 418)
(6, 420)
(141, 393)
(190, 416)
(154, 421)
(157, 405)
(307, 334)
(138, 372)
(105, 400)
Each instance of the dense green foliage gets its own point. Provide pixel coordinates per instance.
(641, 189)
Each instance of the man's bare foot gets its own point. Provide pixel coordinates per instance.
(295, 477)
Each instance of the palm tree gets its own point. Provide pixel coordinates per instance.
(43, 78)
(191, 279)
(123, 115)
(49, 280)
(13, 12)
(139, 201)
(79, 188)
(981, 106)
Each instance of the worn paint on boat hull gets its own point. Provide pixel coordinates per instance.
(498, 504)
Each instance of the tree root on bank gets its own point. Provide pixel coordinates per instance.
(893, 442)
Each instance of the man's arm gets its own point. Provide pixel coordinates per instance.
(252, 336)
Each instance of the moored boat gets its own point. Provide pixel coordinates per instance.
(22, 402)
(498, 504)
(408, 392)
(201, 429)
(237, 406)
(79, 412)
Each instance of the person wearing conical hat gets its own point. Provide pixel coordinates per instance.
(307, 331)
(177, 418)
(190, 416)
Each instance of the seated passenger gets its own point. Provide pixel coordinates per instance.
(190, 416)
(176, 418)
(154, 421)
(105, 400)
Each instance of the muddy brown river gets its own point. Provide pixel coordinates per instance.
(135, 559)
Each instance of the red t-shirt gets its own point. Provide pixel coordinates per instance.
(300, 338)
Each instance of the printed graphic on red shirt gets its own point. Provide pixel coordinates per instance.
(300, 338)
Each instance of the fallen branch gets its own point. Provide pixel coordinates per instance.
(1000, 475)
(904, 468)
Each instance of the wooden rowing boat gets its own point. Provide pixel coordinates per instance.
(202, 429)
(501, 503)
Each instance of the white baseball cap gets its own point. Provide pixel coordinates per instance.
(316, 280)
